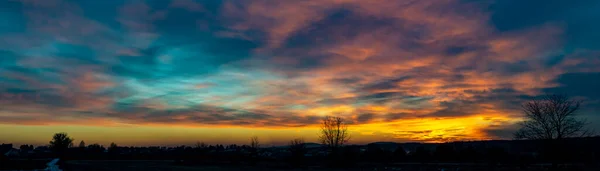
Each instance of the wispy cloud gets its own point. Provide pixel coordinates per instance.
(405, 70)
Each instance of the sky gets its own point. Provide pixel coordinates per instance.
(173, 72)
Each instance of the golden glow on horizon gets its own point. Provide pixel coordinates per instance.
(416, 129)
(436, 129)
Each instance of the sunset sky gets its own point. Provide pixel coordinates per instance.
(174, 72)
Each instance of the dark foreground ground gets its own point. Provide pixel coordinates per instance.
(171, 166)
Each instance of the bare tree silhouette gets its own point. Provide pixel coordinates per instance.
(297, 147)
(61, 142)
(552, 117)
(334, 132)
(298, 142)
(254, 143)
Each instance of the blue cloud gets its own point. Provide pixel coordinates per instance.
(12, 17)
(211, 65)
(576, 17)
(578, 84)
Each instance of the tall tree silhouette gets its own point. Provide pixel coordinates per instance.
(81, 144)
(551, 117)
(61, 142)
(334, 132)
(113, 147)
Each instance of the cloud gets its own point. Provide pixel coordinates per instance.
(362, 118)
(515, 15)
(500, 133)
(577, 84)
(423, 65)
(190, 5)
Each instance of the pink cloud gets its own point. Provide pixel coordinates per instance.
(388, 51)
(90, 82)
(138, 16)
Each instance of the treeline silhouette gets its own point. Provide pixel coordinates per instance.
(517, 152)
(551, 134)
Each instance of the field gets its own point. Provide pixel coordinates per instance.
(171, 166)
(150, 166)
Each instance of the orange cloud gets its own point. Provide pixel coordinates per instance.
(404, 70)
(450, 60)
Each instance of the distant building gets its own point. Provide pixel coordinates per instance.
(42, 149)
(12, 153)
